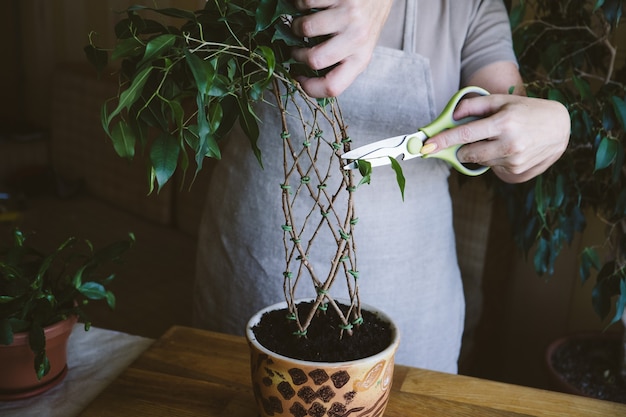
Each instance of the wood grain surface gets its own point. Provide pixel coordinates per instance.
(191, 372)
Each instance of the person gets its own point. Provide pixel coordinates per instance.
(396, 64)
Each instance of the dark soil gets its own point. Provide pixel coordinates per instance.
(592, 367)
(324, 341)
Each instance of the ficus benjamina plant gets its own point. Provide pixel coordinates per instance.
(182, 88)
(568, 51)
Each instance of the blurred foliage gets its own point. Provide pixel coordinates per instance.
(567, 51)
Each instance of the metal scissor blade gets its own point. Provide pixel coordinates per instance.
(375, 149)
(374, 162)
(378, 153)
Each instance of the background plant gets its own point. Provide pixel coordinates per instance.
(182, 88)
(567, 52)
(37, 289)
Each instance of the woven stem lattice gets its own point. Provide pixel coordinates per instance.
(310, 129)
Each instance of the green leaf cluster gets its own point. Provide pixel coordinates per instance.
(38, 289)
(183, 87)
(566, 52)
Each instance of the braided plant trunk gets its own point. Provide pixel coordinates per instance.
(329, 204)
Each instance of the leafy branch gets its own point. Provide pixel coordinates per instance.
(183, 88)
(37, 289)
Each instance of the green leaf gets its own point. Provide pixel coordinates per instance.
(265, 13)
(365, 169)
(129, 96)
(123, 139)
(18, 238)
(604, 289)
(202, 71)
(42, 364)
(48, 260)
(6, 332)
(247, 121)
(256, 90)
(126, 48)
(37, 343)
(606, 153)
(215, 116)
(620, 304)
(286, 7)
(599, 4)
(157, 46)
(6, 299)
(110, 299)
(589, 259)
(583, 89)
(539, 198)
(178, 113)
(283, 33)
(97, 57)
(220, 87)
(93, 290)
(399, 175)
(557, 95)
(164, 158)
(517, 14)
(559, 191)
(270, 59)
(114, 251)
(542, 256)
(77, 280)
(619, 106)
(204, 132)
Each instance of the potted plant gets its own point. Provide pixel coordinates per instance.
(42, 296)
(182, 88)
(568, 52)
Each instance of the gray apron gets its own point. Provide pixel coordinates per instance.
(406, 249)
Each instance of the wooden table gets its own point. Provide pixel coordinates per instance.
(190, 372)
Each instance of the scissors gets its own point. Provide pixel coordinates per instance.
(409, 146)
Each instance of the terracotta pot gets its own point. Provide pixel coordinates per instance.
(557, 380)
(18, 378)
(286, 386)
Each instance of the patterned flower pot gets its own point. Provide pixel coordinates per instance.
(289, 387)
(18, 378)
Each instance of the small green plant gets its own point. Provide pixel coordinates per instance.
(37, 289)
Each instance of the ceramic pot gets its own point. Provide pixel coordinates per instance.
(18, 378)
(291, 387)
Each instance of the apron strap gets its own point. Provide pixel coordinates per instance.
(408, 41)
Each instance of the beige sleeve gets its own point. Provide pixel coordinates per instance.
(488, 38)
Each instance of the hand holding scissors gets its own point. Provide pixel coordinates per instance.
(409, 146)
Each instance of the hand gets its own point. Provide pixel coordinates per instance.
(519, 137)
(355, 26)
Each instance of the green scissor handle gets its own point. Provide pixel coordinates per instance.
(446, 121)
